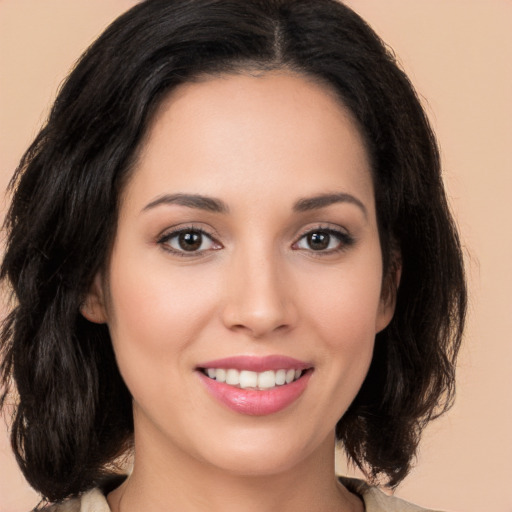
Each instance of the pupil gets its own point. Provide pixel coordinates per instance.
(190, 241)
(318, 241)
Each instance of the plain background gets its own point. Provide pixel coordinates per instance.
(458, 53)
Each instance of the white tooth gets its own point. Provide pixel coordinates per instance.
(248, 379)
(233, 377)
(280, 377)
(290, 375)
(211, 373)
(298, 373)
(267, 380)
(220, 375)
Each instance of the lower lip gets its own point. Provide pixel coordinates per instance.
(256, 402)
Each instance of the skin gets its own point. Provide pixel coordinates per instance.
(258, 143)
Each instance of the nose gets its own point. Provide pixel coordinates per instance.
(259, 298)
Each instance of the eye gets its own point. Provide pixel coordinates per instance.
(188, 241)
(324, 240)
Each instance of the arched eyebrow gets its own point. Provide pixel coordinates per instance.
(215, 205)
(200, 202)
(321, 201)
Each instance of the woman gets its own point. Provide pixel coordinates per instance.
(230, 248)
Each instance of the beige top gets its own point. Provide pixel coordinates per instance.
(374, 500)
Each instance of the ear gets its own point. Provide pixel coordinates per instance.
(390, 285)
(93, 307)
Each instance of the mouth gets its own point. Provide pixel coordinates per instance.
(255, 386)
(247, 379)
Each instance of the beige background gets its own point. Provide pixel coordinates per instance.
(458, 53)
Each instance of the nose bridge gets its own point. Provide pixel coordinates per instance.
(257, 297)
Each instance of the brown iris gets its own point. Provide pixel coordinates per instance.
(190, 240)
(319, 241)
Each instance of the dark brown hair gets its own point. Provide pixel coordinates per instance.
(74, 412)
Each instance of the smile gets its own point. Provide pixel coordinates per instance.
(246, 379)
(255, 386)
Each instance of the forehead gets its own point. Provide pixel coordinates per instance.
(267, 130)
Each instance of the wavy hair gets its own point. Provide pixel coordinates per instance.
(73, 415)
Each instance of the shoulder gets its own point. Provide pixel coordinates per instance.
(91, 501)
(376, 501)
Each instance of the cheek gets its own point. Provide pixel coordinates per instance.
(153, 317)
(348, 335)
(343, 309)
(346, 303)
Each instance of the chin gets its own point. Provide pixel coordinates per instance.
(266, 455)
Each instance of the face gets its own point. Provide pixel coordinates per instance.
(244, 288)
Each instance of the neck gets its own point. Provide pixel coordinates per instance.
(169, 479)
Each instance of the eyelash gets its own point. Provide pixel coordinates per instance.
(345, 240)
(166, 238)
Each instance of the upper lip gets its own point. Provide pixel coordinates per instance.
(257, 363)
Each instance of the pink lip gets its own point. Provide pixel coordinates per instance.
(257, 364)
(255, 402)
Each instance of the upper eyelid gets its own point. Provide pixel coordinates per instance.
(324, 227)
(171, 233)
(175, 230)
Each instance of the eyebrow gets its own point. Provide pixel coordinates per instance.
(323, 200)
(191, 201)
(214, 205)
